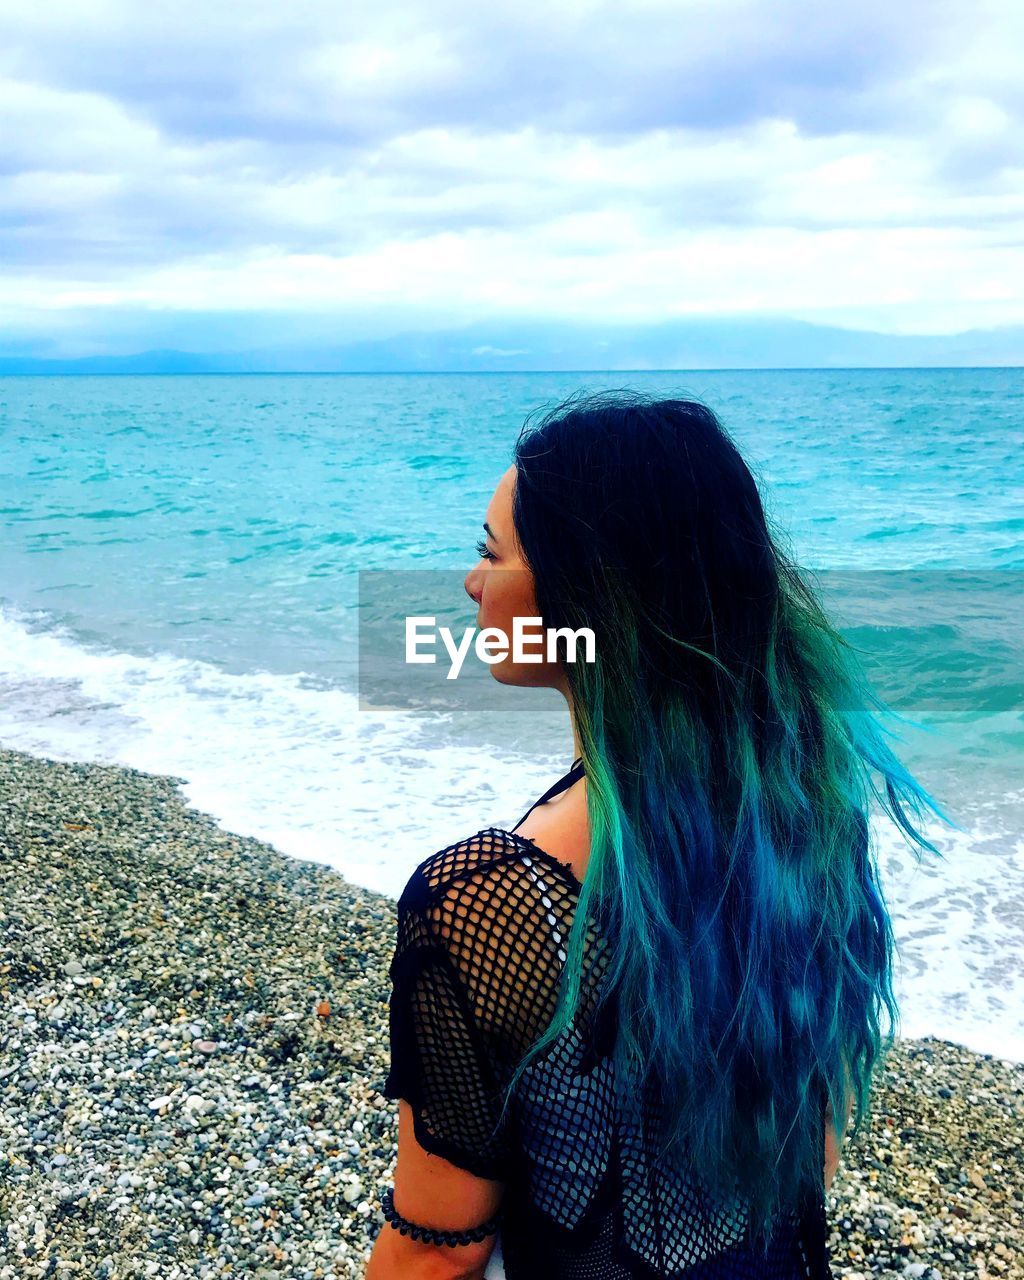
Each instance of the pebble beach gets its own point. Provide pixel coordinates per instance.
(193, 1039)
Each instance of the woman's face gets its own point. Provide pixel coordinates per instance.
(501, 584)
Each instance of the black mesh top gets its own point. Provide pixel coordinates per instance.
(480, 949)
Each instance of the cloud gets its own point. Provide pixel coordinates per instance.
(354, 75)
(646, 157)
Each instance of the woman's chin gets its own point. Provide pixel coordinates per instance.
(526, 677)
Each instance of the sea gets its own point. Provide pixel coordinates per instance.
(192, 569)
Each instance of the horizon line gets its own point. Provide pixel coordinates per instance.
(384, 373)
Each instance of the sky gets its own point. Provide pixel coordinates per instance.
(208, 173)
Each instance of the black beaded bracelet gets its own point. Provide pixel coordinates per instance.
(433, 1235)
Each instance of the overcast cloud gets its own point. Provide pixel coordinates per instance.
(437, 162)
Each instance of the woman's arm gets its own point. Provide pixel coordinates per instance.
(432, 1192)
(398, 1257)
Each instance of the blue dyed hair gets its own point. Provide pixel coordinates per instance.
(729, 739)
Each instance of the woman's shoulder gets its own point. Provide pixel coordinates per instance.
(477, 863)
(489, 892)
(491, 910)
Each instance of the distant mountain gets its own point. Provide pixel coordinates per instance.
(485, 347)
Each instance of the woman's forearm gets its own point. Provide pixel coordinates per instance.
(398, 1257)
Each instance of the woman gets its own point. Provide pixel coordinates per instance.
(622, 1031)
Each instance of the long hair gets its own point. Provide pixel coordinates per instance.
(728, 737)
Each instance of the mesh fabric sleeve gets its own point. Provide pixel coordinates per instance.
(442, 1063)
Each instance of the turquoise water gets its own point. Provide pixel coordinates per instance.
(179, 589)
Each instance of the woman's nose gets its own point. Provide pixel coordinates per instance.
(472, 589)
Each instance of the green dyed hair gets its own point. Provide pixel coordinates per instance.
(729, 739)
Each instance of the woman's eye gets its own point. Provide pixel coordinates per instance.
(481, 550)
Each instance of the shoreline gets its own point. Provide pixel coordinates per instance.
(172, 1102)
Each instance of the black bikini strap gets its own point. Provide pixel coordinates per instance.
(563, 783)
